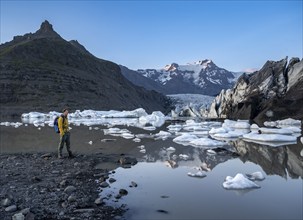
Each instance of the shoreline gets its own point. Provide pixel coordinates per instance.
(41, 186)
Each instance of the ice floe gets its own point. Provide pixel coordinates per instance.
(199, 174)
(183, 156)
(171, 149)
(162, 135)
(270, 137)
(276, 130)
(205, 142)
(185, 138)
(256, 176)
(136, 118)
(239, 182)
(289, 122)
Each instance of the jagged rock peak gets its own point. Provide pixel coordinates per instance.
(171, 67)
(204, 62)
(46, 26)
(46, 30)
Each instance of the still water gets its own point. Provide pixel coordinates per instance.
(165, 191)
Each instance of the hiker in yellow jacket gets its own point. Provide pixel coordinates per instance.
(64, 134)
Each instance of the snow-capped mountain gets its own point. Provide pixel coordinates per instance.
(201, 77)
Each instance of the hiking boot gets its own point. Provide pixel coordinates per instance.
(60, 156)
(71, 155)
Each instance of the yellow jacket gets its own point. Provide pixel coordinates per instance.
(63, 125)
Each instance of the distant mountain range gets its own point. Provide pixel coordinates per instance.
(202, 77)
(41, 72)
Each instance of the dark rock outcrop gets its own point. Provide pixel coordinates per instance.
(43, 72)
(274, 92)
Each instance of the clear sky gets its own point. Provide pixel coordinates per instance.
(236, 35)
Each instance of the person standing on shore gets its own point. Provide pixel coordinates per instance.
(64, 134)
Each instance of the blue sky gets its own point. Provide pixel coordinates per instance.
(236, 35)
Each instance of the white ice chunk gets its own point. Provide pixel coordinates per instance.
(211, 152)
(185, 138)
(143, 151)
(149, 128)
(254, 126)
(242, 125)
(141, 147)
(127, 135)
(171, 149)
(137, 140)
(174, 128)
(206, 142)
(90, 142)
(163, 134)
(256, 176)
(156, 119)
(137, 113)
(199, 174)
(270, 137)
(239, 182)
(276, 131)
(218, 130)
(183, 156)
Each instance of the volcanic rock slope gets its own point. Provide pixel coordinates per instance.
(41, 71)
(274, 92)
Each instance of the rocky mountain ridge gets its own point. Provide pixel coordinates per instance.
(273, 92)
(201, 77)
(44, 72)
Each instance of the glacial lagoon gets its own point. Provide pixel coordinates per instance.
(164, 189)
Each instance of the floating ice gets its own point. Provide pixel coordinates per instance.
(239, 182)
(242, 124)
(198, 174)
(149, 128)
(218, 130)
(211, 152)
(143, 151)
(162, 135)
(156, 119)
(174, 128)
(137, 113)
(183, 156)
(276, 130)
(254, 126)
(13, 124)
(141, 147)
(90, 142)
(185, 138)
(206, 142)
(232, 134)
(171, 149)
(256, 176)
(270, 137)
(137, 140)
(127, 135)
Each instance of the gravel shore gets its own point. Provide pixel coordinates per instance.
(41, 186)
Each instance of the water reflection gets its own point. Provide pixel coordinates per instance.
(283, 160)
(280, 161)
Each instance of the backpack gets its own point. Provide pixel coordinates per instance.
(56, 126)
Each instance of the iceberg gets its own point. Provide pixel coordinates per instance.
(239, 182)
